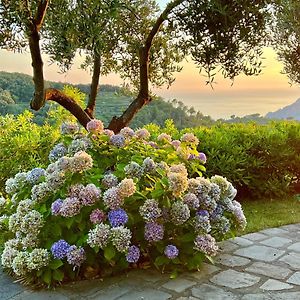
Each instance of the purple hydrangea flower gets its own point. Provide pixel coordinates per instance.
(60, 249)
(133, 254)
(110, 180)
(171, 251)
(117, 217)
(191, 200)
(150, 210)
(202, 157)
(202, 212)
(153, 232)
(97, 216)
(35, 174)
(117, 140)
(56, 206)
(127, 132)
(69, 128)
(95, 126)
(75, 256)
(89, 195)
(206, 244)
(112, 198)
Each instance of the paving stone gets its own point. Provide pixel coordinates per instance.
(291, 227)
(204, 272)
(145, 294)
(275, 285)
(111, 292)
(8, 289)
(274, 231)
(255, 236)
(292, 259)
(276, 242)
(269, 270)
(178, 285)
(273, 296)
(295, 247)
(228, 246)
(207, 292)
(38, 295)
(234, 279)
(241, 241)
(295, 278)
(232, 260)
(187, 298)
(258, 252)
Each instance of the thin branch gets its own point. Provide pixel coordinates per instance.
(40, 14)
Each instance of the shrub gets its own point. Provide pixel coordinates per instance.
(111, 202)
(23, 144)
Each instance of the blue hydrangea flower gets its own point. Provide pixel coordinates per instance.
(56, 206)
(117, 140)
(171, 251)
(60, 249)
(133, 254)
(75, 256)
(117, 217)
(35, 175)
(57, 152)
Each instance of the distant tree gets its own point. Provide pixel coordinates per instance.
(6, 97)
(219, 35)
(286, 36)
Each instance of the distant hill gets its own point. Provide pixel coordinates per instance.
(290, 112)
(16, 90)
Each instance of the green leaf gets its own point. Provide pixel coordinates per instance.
(47, 276)
(161, 260)
(69, 222)
(55, 264)
(174, 274)
(188, 237)
(109, 252)
(58, 275)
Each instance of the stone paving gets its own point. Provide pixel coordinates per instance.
(262, 265)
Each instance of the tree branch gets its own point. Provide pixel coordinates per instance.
(69, 104)
(90, 109)
(40, 14)
(143, 98)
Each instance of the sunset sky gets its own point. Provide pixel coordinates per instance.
(261, 94)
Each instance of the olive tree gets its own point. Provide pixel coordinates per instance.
(218, 35)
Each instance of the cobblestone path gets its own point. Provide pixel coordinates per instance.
(262, 265)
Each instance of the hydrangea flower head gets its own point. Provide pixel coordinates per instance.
(99, 236)
(97, 216)
(190, 138)
(127, 132)
(112, 198)
(191, 200)
(57, 152)
(60, 249)
(75, 256)
(56, 206)
(117, 140)
(108, 132)
(180, 212)
(171, 251)
(38, 259)
(149, 165)
(133, 254)
(154, 232)
(150, 210)
(207, 244)
(117, 217)
(164, 137)
(89, 195)
(176, 144)
(81, 162)
(133, 169)
(95, 126)
(120, 237)
(110, 180)
(35, 174)
(70, 207)
(142, 134)
(202, 157)
(126, 188)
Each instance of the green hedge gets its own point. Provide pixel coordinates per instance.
(260, 160)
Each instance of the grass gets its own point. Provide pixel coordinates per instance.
(268, 213)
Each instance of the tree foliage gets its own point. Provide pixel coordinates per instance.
(286, 36)
(137, 40)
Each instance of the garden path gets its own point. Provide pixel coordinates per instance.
(262, 265)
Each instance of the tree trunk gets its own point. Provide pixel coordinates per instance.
(143, 98)
(69, 104)
(90, 109)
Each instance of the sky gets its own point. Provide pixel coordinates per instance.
(259, 94)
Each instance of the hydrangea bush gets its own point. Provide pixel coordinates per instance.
(108, 202)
